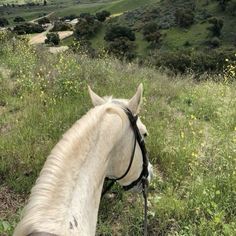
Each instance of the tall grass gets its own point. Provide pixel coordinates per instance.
(192, 141)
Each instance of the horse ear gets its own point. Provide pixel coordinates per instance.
(96, 100)
(135, 102)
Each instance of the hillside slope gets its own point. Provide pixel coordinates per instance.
(174, 37)
(192, 141)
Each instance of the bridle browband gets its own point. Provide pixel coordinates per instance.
(142, 179)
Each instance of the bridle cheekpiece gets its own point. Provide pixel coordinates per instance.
(143, 177)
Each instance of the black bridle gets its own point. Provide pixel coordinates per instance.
(143, 177)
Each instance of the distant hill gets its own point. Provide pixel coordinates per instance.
(187, 33)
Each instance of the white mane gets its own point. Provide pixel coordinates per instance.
(66, 196)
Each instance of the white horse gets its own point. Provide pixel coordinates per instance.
(66, 196)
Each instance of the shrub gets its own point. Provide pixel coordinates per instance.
(117, 31)
(101, 16)
(216, 26)
(152, 33)
(52, 38)
(122, 48)
(43, 21)
(28, 28)
(184, 17)
(84, 46)
(19, 19)
(70, 17)
(86, 27)
(215, 42)
(3, 22)
(187, 60)
(223, 4)
(60, 26)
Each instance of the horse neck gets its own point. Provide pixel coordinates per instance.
(66, 197)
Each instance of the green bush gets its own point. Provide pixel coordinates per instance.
(60, 26)
(52, 38)
(122, 47)
(215, 42)
(223, 4)
(117, 31)
(43, 21)
(86, 27)
(184, 17)
(19, 19)
(28, 28)
(183, 61)
(102, 15)
(152, 33)
(216, 26)
(3, 22)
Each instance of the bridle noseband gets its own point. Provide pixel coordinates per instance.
(143, 177)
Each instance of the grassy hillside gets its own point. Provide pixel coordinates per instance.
(136, 14)
(175, 37)
(192, 139)
(63, 8)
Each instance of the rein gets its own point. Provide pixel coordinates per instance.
(142, 179)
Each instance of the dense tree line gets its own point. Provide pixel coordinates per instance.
(28, 28)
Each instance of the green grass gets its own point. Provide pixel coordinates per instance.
(67, 41)
(177, 37)
(63, 8)
(192, 139)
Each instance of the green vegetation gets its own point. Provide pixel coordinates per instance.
(52, 39)
(192, 141)
(28, 28)
(3, 22)
(195, 26)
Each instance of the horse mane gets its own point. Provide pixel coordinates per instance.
(63, 157)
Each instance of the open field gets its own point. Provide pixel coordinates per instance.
(192, 141)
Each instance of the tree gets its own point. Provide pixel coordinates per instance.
(19, 19)
(223, 4)
(28, 28)
(120, 41)
(151, 33)
(117, 31)
(52, 38)
(184, 17)
(216, 26)
(45, 2)
(43, 21)
(102, 15)
(60, 26)
(122, 48)
(3, 22)
(86, 27)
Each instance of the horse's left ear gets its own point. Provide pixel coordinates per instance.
(135, 102)
(96, 100)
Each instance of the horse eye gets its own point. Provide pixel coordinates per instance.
(145, 135)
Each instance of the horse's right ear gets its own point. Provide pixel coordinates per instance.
(96, 100)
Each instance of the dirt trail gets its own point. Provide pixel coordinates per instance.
(40, 38)
(33, 21)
